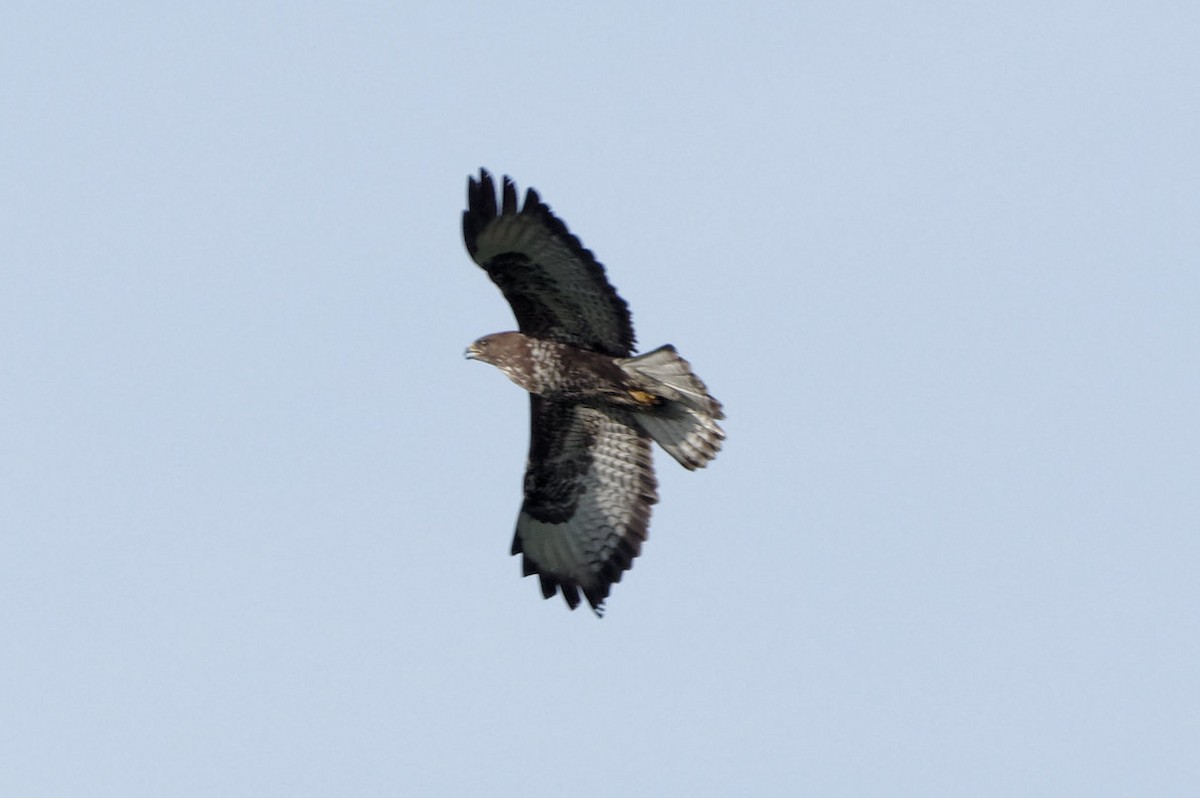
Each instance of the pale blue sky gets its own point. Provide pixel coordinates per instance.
(941, 263)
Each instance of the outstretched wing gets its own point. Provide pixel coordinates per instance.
(555, 286)
(589, 485)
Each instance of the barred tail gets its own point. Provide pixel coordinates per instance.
(686, 423)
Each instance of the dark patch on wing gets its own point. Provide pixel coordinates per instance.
(560, 454)
(556, 287)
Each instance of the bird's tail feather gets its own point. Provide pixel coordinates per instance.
(685, 424)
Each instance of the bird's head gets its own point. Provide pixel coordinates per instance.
(507, 351)
(481, 349)
(495, 348)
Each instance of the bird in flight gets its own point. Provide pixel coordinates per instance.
(594, 405)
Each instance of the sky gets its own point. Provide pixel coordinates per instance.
(940, 262)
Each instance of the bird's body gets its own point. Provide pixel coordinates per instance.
(595, 407)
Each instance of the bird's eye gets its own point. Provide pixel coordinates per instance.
(482, 344)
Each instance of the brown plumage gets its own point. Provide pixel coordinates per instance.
(589, 479)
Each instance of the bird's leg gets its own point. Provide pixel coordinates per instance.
(645, 397)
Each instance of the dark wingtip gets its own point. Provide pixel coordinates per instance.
(596, 599)
(570, 594)
(570, 591)
(481, 208)
(509, 206)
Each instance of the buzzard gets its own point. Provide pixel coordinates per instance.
(595, 407)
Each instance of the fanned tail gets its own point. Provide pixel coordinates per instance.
(685, 423)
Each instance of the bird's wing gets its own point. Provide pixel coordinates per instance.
(589, 485)
(556, 287)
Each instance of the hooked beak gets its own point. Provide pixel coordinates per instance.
(470, 352)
